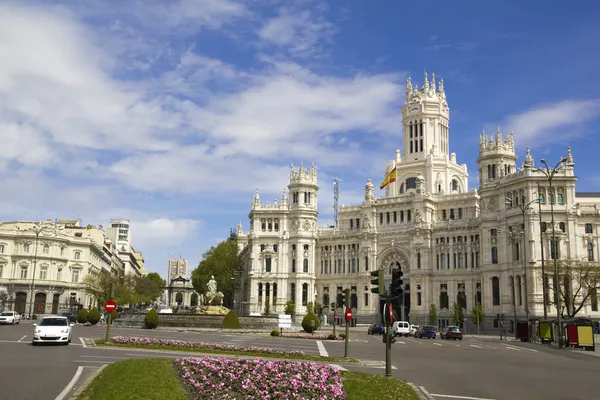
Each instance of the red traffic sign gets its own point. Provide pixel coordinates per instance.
(348, 314)
(110, 306)
(390, 314)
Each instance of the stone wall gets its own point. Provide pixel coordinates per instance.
(181, 320)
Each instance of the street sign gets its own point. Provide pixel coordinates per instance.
(390, 314)
(110, 306)
(348, 314)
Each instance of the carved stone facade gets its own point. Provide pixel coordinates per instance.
(43, 264)
(450, 242)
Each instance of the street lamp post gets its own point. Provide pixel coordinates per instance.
(524, 206)
(45, 228)
(550, 173)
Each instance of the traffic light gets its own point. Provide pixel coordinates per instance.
(377, 284)
(398, 284)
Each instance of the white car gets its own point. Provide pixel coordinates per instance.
(401, 328)
(52, 329)
(10, 317)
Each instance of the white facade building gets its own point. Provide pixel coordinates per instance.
(43, 265)
(454, 245)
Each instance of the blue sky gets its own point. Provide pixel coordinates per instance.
(171, 113)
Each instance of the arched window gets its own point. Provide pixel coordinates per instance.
(304, 294)
(590, 252)
(495, 291)
(454, 185)
(77, 255)
(561, 226)
(411, 183)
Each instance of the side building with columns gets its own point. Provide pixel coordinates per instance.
(455, 245)
(43, 264)
(180, 291)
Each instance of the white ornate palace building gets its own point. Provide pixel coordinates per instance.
(454, 245)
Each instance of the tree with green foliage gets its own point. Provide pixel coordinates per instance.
(151, 319)
(267, 306)
(94, 316)
(477, 314)
(99, 285)
(310, 322)
(458, 316)
(231, 321)
(223, 262)
(290, 308)
(433, 315)
(82, 317)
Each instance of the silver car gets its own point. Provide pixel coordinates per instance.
(52, 329)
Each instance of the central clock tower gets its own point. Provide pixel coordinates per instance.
(425, 120)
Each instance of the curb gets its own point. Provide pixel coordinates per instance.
(421, 392)
(87, 383)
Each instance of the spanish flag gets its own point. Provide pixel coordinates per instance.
(389, 179)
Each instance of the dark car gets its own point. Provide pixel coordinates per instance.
(426, 331)
(451, 332)
(376, 329)
(69, 315)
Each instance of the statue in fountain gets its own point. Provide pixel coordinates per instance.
(212, 301)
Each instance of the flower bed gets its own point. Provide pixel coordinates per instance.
(322, 336)
(147, 341)
(222, 378)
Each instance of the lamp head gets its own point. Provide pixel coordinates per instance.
(543, 161)
(563, 159)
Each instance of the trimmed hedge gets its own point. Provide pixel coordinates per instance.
(151, 319)
(231, 321)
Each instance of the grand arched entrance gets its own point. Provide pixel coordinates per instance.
(392, 260)
(20, 302)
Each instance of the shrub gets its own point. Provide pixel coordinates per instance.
(275, 332)
(231, 321)
(151, 319)
(94, 316)
(82, 317)
(114, 315)
(331, 336)
(343, 335)
(310, 323)
(290, 308)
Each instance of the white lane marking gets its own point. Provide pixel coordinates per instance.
(382, 367)
(83, 342)
(449, 396)
(70, 385)
(400, 341)
(94, 343)
(20, 340)
(437, 344)
(474, 345)
(119, 358)
(93, 361)
(513, 348)
(322, 351)
(522, 348)
(338, 367)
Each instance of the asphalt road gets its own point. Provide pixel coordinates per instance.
(476, 368)
(482, 368)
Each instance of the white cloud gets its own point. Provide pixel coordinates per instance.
(163, 231)
(553, 122)
(301, 32)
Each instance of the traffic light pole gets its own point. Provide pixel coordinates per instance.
(388, 344)
(109, 322)
(347, 338)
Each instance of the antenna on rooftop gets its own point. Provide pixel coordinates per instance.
(336, 198)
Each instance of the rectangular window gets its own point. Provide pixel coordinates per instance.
(452, 213)
(395, 217)
(24, 273)
(460, 213)
(588, 229)
(1, 248)
(59, 275)
(554, 249)
(43, 273)
(351, 223)
(46, 249)
(419, 260)
(366, 263)
(75, 276)
(268, 264)
(366, 299)
(494, 255)
(419, 298)
(26, 248)
(293, 265)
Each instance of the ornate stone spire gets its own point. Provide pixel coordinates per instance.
(398, 156)
(441, 88)
(570, 162)
(498, 136)
(409, 89)
(426, 82)
(284, 196)
(239, 227)
(256, 199)
(433, 83)
(529, 163)
(369, 197)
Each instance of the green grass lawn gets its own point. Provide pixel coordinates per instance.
(156, 379)
(211, 351)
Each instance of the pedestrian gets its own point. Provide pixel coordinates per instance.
(102, 319)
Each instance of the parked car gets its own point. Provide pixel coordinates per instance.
(10, 317)
(451, 332)
(69, 315)
(52, 329)
(376, 329)
(426, 331)
(413, 329)
(401, 328)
